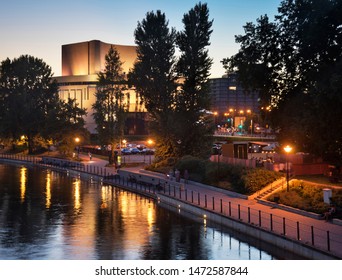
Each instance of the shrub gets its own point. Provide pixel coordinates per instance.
(196, 167)
(232, 177)
(308, 197)
(258, 178)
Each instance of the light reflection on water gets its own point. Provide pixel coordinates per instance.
(49, 215)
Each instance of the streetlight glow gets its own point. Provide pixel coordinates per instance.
(287, 149)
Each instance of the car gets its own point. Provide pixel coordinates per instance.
(126, 151)
(147, 151)
(134, 151)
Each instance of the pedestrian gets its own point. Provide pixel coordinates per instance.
(171, 173)
(331, 211)
(186, 176)
(90, 156)
(177, 175)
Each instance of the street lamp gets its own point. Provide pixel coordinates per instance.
(287, 150)
(215, 120)
(77, 141)
(149, 143)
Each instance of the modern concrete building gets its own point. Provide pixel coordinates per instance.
(81, 62)
(230, 103)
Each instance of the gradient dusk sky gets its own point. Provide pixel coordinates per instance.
(41, 27)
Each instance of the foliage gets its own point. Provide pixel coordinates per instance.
(30, 104)
(64, 124)
(154, 77)
(256, 179)
(111, 107)
(193, 100)
(175, 93)
(27, 94)
(295, 63)
(234, 177)
(308, 197)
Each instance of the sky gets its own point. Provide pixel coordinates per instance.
(40, 27)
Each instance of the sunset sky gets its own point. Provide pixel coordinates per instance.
(41, 27)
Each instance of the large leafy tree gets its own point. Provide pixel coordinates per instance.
(64, 124)
(193, 100)
(175, 92)
(154, 78)
(111, 106)
(30, 103)
(27, 94)
(295, 63)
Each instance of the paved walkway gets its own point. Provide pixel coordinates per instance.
(319, 233)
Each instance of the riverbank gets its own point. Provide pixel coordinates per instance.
(286, 230)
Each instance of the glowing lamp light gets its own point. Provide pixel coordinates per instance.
(288, 149)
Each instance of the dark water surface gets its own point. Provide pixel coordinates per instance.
(49, 215)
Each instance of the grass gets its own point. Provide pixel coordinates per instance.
(308, 196)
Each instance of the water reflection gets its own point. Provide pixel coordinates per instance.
(55, 216)
(77, 194)
(48, 189)
(23, 171)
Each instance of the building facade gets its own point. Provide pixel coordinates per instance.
(81, 62)
(230, 103)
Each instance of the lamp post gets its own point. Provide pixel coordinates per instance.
(77, 141)
(287, 150)
(150, 142)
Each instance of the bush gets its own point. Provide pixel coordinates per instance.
(231, 177)
(196, 167)
(308, 197)
(258, 178)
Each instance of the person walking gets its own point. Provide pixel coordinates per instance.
(186, 176)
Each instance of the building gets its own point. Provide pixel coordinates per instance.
(230, 103)
(81, 62)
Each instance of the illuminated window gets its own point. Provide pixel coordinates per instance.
(232, 87)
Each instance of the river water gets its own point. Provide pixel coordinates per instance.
(49, 215)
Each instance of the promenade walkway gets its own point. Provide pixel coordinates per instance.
(299, 227)
(303, 227)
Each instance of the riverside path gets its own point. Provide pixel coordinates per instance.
(302, 228)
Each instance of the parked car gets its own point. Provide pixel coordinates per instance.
(134, 151)
(126, 151)
(147, 151)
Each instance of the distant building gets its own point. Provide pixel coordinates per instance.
(230, 103)
(81, 62)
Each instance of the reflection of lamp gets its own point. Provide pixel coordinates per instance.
(288, 150)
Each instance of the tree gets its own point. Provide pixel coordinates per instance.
(64, 124)
(27, 94)
(193, 99)
(295, 63)
(110, 107)
(30, 104)
(154, 78)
